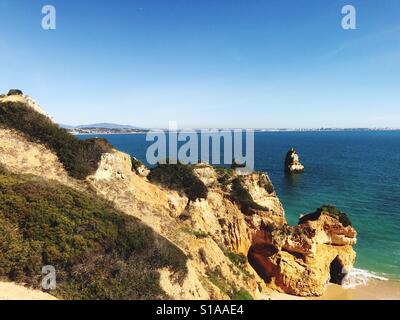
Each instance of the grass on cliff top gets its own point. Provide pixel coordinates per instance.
(329, 210)
(79, 157)
(98, 252)
(179, 177)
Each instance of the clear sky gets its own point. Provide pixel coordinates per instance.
(253, 63)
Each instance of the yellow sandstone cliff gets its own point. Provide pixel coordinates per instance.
(240, 220)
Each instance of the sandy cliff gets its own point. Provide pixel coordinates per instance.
(240, 219)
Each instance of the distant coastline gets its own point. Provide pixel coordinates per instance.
(111, 131)
(105, 132)
(325, 129)
(103, 128)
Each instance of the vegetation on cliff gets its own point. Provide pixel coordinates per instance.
(216, 277)
(136, 164)
(235, 187)
(225, 176)
(329, 210)
(239, 260)
(97, 251)
(101, 253)
(242, 196)
(79, 157)
(181, 178)
(15, 92)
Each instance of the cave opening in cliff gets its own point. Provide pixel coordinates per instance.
(336, 271)
(257, 257)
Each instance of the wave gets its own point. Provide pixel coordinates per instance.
(358, 277)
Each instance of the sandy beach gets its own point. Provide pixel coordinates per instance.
(373, 290)
(12, 291)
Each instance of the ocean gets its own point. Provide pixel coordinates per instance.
(358, 171)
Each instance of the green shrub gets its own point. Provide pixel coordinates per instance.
(97, 251)
(329, 210)
(79, 157)
(224, 176)
(241, 195)
(242, 294)
(265, 183)
(181, 178)
(15, 92)
(200, 234)
(239, 260)
(136, 164)
(216, 277)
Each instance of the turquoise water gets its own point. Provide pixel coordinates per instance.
(358, 171)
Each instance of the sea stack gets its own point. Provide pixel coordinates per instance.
(292, 162)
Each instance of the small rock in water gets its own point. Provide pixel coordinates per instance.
(292, 162)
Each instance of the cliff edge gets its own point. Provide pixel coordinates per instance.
(216, 234)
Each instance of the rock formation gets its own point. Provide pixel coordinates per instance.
(303, 259)
(292, 162)
(240, 216)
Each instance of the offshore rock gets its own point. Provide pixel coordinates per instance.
(292, 162)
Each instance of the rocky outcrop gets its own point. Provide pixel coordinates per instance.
(303, 259)
(208, 230)
(240, 216)
(292, 162)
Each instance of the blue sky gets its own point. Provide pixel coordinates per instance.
(253, 63)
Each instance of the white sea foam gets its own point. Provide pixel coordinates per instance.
(358, 277)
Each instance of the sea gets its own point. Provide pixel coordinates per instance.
(357, 171)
